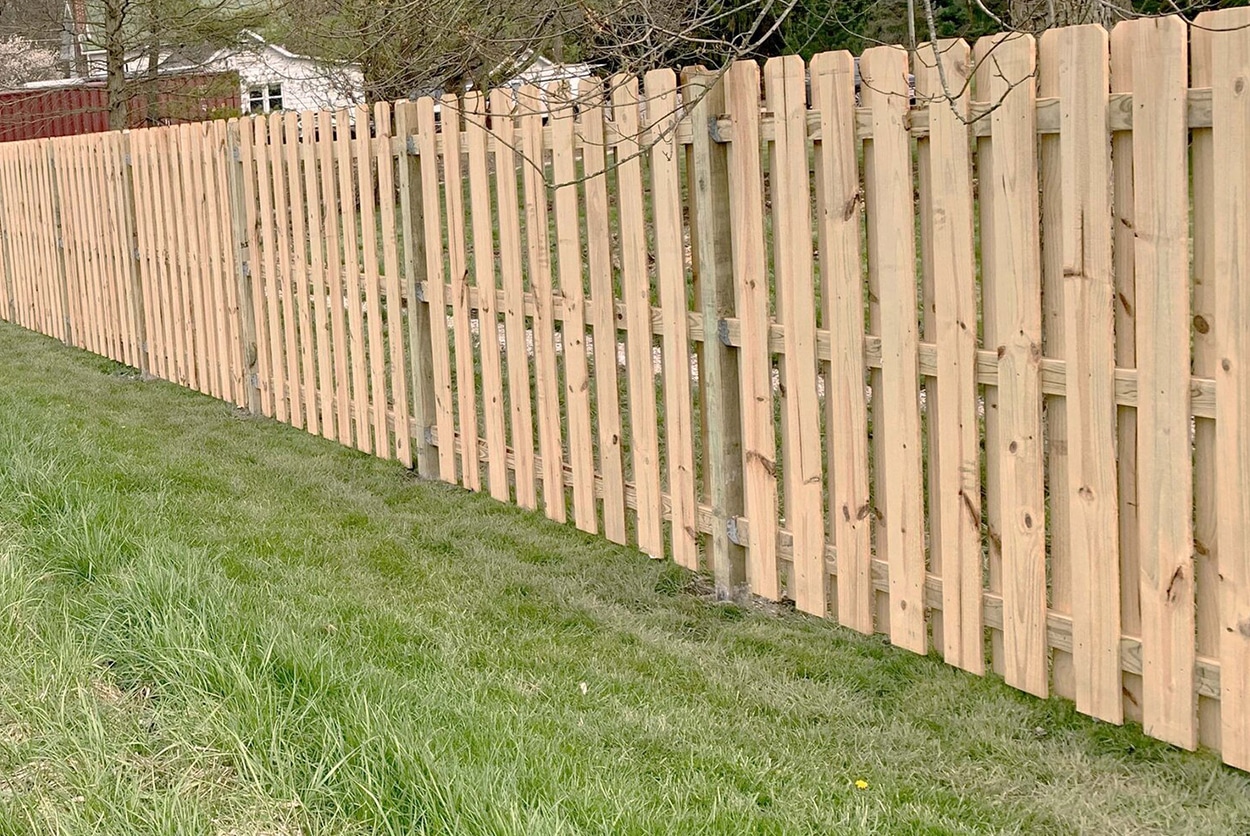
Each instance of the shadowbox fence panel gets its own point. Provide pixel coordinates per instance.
(959, 354)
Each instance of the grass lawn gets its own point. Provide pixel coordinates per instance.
(215, 624)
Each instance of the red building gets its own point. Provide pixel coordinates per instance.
(78, 106)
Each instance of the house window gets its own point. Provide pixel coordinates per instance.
(264, 98)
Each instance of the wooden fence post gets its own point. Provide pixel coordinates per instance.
(243, 272)
(420, 352)
(718, 377)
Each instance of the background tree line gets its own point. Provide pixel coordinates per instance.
(409, 47)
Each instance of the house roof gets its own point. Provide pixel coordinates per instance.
(250, 41)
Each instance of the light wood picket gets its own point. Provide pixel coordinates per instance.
(796, 310)
(313, 140)
(328, 127)
(661, 89)
(759, 444)
(1161, 244)
(350, 299)
(297, 284)
(538, 251)
(394, 303)
(602, 312)
(891, 258)
(1088, 287)
(956, 499)
(375, 351)
(1014, 264)
(462, 327)
(1205, 363)
(513, 280)
(573, 335)
(476, 132)
(419, 281)
(1124, 267)
(1056, 444)
(1230, 109)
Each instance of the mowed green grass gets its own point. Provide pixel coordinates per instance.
(216, 624)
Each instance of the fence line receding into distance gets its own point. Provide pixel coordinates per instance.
(972, 372)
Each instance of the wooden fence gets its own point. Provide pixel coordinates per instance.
(972, 371)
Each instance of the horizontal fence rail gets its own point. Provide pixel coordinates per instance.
(965, 363)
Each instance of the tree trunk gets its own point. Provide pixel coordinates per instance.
(152, 79)
(115, 64)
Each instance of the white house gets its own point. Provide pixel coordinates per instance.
(541, 71)
(271, 77)
(274, 78)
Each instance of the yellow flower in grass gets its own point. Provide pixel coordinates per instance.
(861, 784)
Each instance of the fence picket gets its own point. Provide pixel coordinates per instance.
(96, 271)
(1056, 444)
(466, 387)
(1205, 364)
(662, 107)
(1164, 466)
(75, 272)
(298, 282)
(267, 287)
(891, 257)
(1088, 289)
(1123, 262)
(1230, 111)
(394, 293)
(94, 274)
(602, 311)
(192, 188)
(284, 278)
(1014, 264)
(476, 132)
(802, 481)
(842, 298)
(372, 345)
(212, 250)
(180, 323)
(328, 126)
(148, 270)
(956, 482)
(530, 102)
(573, 334)
(355, 348)
(636, 292)
(312, 141)
(185, 253)
(219, 165)
(513, 280)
